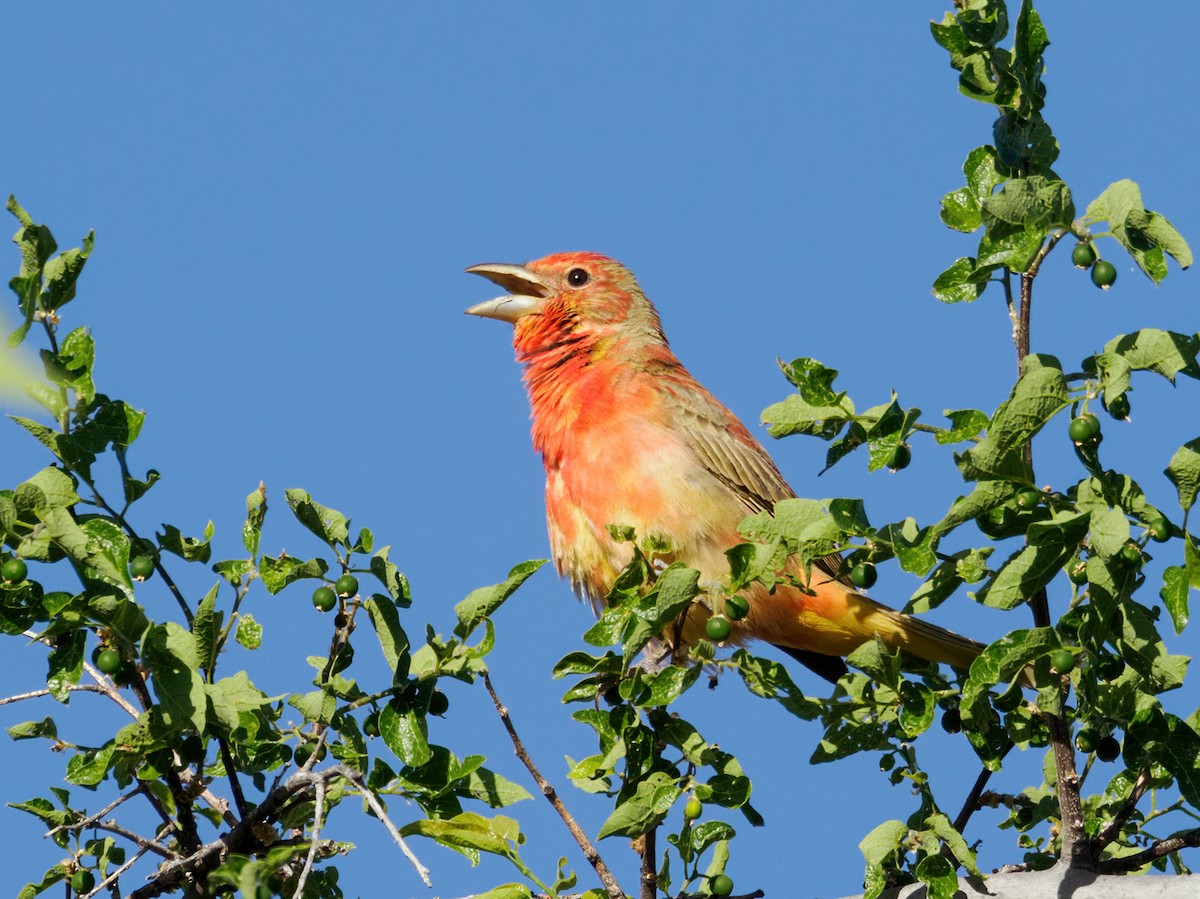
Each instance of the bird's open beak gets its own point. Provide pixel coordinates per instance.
(526, 291)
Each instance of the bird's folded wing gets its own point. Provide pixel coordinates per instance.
(725, 448)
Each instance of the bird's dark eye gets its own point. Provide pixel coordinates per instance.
(577, 277)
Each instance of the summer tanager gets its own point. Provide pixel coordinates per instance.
(629, 437)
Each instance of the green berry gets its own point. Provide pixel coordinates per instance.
(371, 725)
(887, 762)
(721, 885)
(1062, 661)
(1087, 740)
(1077, 571)
(1119, 407)
(692, 810)
(438, 703)
(14, 571)
(83, 881)
(952, 721)
(1104, 274)
(1028, 498)
(1042, 675)
(863, 575)
(108, 661)
(736, 608)
(324, 599)
(346, 585)
(1131, 555)
(141, 567)
(1083, 255)
(717, 628)
(1084, 428)
(900, 457)
(1088, 365)
(1108, 749)
(1159, 529)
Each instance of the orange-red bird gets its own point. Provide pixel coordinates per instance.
(629, 437)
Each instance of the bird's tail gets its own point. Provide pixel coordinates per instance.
(925, 640)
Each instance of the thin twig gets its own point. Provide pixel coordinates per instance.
(34, 694)
(84, 823)
(589, 849)
(138, 839)
(112, 878)
(1112, 829)
(235, 785)
(315, 840)
(971, 804)
(381, 813)
(1162, 848)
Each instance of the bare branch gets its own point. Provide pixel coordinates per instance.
(1160, 849)
(1112, 829)
(140, 841)
(314, 840)
(87, 822)
(585, 844)
(381, 813)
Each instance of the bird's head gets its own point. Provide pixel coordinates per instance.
(582, 298)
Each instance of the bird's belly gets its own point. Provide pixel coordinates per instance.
(659, 492)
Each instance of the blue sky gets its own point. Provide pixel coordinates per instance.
(284, 201)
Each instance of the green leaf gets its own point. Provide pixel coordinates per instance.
(1040, 392)
(389, 575)
(490, 787)
(1184, 472)
(1165, 353)
(469, 831)
(328, 524)
(1181, 756)
(883, 843)
(1174, 595)
(231, 697)
(1023, 574)
(960, 211)
(1033, 202)
(249, 632)
(965, 424)
(32, 730)
(483, 601)
(256, 511)
(638, 813)
(61, 273)
(938, 874)
(191, 549)
(813, 381)
(169, 652)
(89, 767)
(795, 415)
(316, 705)
(54, 875)
(65, 663)
(404, 732)
(206, 628)
(392, 638)
(964, 281)
(506, 891)
(278, 572)
(945, 831)
(1146, 235)
(1024, 143)
(122, 616)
